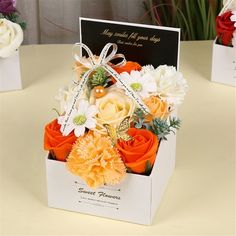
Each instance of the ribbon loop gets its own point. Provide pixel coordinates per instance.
(91, 63)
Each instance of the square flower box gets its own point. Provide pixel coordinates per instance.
(223, 64)
(10, 75)
(136, 199)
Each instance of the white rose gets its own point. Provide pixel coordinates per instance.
(11, 37)
(171, 86)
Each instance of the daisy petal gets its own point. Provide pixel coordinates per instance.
(91, 111)
(90, 123)
(79, 130)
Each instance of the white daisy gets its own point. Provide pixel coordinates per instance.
(81, 118)
(143, 85)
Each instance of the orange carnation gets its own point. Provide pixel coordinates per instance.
(54, 142)
(95, 160)
(140, 150)
(157, 107)
(128, 67)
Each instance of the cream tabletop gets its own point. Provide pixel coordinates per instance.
(200, 197)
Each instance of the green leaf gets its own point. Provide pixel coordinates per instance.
(128, 170)
(148, 168)
(99, 78)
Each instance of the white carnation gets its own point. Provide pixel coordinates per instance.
(66, 94)
(171, 86)
(11, 37)
(147, 69)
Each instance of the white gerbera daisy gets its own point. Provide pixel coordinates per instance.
(81, 118)
(143, 85)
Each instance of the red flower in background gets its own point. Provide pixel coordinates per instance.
(225, 28)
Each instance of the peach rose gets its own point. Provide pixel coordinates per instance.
(57, 144)
(113, 108)
(137, 152)
(157, 107)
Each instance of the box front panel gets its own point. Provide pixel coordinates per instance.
(128, 201)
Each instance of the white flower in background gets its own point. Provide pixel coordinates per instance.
(65, 96)
(146, 69)
(232, 5)
(171, 86)
(234, 39)
(11, 37)
(143, 85)
(80, 118)
(233, 17)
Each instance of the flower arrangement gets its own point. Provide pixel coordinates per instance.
(226, 24)
(113, 117)
(11, 34)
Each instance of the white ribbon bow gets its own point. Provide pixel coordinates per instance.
(93, 64)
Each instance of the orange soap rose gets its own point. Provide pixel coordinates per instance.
(157, 107)
(128, 67)
(136, 152)
(56, 143)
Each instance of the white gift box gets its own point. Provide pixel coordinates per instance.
(10, 76)
(136, 199)
(223, 64)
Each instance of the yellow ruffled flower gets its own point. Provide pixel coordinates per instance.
(112, 108)
(95, 160)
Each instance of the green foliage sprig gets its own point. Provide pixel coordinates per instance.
(99, 78)
(139, 119)
(14, 17)
(162, 127)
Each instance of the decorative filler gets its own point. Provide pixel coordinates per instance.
(11, 37)
(114, 117)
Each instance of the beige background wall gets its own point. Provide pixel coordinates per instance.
(56, 21)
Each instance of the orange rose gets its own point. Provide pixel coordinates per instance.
(60, 146)
(128, 67)
(157, 107)
(138, 151)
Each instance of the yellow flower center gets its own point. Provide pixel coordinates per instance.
(136, 86)
(79, 120)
